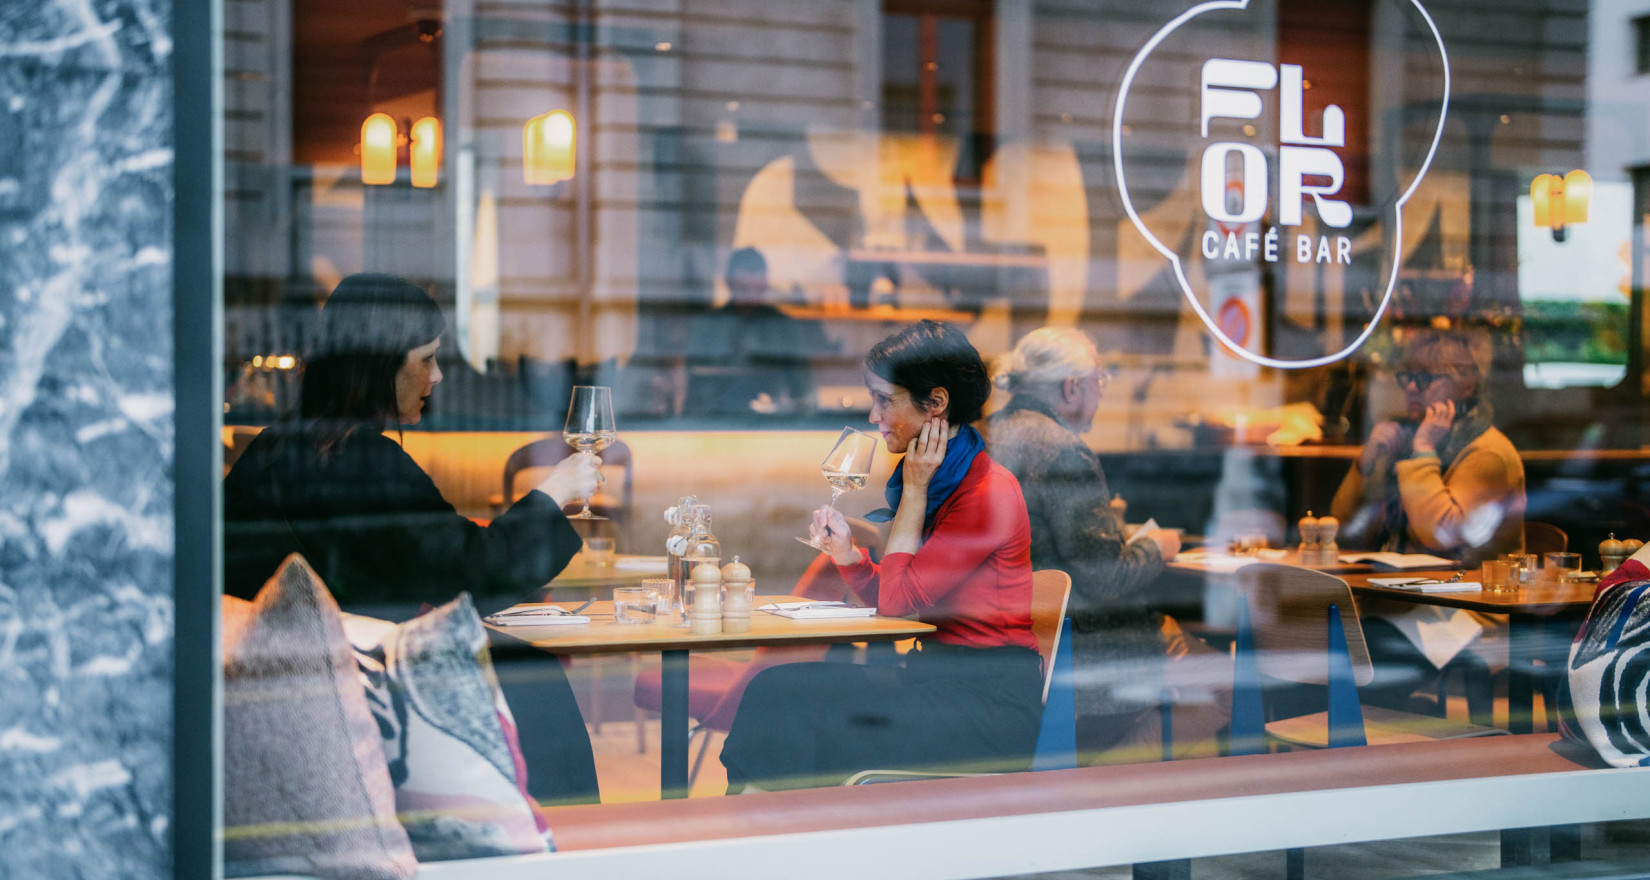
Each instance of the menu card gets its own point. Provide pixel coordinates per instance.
(1400, 561)
(805, 609)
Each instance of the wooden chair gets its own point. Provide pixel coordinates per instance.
(1057, 737)
(1299, 625)
(549, 451)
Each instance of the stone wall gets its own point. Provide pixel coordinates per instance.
(86, 445)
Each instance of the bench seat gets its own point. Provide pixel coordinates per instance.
(1085, 788)
(1088, 817)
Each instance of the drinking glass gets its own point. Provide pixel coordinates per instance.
(1559, 565)
(847, 467)
(665, 589)
(1496, 576)
(1523, 568)
(635, 604)
(590, 427)
(602, 554)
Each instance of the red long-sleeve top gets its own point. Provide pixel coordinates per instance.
(972, 577)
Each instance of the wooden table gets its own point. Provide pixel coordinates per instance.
(1290, 557)
(1201, 590)
(1529, 609)
(603, 635)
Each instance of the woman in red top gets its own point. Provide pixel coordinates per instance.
(958, 556)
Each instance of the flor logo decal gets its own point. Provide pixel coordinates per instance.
(1272, 195)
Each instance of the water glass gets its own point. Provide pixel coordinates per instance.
(1523, 568)
(665, 589)
(600, 551)
(634, 604)
(1560, 565)
(1496, 575)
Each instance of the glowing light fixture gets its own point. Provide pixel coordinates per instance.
(1560, 202)
(549, 144)
(378, 148)
(424, 153)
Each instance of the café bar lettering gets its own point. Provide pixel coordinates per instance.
(1236, 180)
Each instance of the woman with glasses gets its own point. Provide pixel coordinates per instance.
(1119, 644)
(1442, 480)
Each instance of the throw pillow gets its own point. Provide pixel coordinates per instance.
(306, 787)
(1609, 670)
(449, 737)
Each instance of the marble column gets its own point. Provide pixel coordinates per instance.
(86, 439)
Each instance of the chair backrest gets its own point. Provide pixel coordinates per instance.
(547, 451)
(1050, 593)
(1542, 538)
(1289, 619)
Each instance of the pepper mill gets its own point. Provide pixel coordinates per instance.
(1309, 539)
(1611, 554)
(1329, 552)
(705, 615)
(737, 590)
(1631, 546)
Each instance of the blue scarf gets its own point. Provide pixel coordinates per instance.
(959, 457)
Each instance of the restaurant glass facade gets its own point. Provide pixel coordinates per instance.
(1256, 211)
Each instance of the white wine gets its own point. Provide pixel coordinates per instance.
(845, 482)
(593, 442)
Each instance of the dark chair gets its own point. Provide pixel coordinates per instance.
(1542, 538)
(548, 452)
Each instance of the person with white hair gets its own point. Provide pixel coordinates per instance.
(1119, 643)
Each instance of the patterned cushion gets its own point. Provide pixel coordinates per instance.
(460, 782)
(1609, 669)
(306, 787)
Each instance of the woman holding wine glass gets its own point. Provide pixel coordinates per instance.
(958, 556)
(329, 484)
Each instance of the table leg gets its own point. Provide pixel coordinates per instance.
(673, 725)
(1523, 646)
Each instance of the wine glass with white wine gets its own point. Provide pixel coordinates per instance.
(590, 427)
(847, 467)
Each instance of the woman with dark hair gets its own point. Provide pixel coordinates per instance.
(958, 556)
(330, 485)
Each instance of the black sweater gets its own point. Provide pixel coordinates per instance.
(377, 530)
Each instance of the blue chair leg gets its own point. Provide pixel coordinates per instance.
(1057, 735)
(1346, 719)
(1247, 734)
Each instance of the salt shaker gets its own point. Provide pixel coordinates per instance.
(1611, 554)
(1309, 539)
(1329, 552)
(705, 614)
(737, 590)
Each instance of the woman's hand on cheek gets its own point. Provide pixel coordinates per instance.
(925, 454)
(1440, 416)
